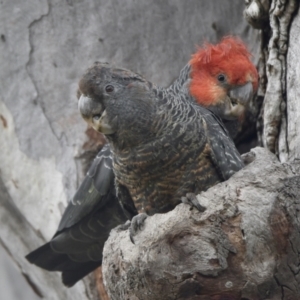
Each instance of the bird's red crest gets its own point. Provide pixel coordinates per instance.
(226, 49)
(229, 57)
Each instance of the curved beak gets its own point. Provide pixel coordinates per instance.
(242, 94)
(232, 111)
(94, 114)
(237, 100)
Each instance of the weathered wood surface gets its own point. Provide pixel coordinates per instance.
(279, 22)
(244, 246)
(291, 136)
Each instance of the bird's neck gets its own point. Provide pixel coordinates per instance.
(180, 84)
(169, 119)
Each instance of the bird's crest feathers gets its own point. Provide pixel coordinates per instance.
(228, 48)
(230, 58)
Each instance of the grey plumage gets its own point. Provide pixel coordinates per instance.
(76, 230)
(163, 145)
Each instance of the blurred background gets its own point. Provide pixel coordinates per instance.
(45, 146)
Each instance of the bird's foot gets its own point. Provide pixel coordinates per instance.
(192, 200)
(136, 225)
(124, 226)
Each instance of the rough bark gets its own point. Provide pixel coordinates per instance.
(278, 36)
(291, 135)
(244, 246)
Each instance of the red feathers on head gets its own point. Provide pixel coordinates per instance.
(228, 48)
(231, 58)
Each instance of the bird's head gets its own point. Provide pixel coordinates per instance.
(223, 78)
(114, 100)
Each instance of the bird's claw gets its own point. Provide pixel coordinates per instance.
(137, 223)
(192, 200)
(124, 226)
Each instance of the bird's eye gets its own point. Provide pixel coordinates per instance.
(221, 78)
(109, 89)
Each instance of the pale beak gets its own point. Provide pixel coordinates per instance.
(95, 115)
(232, 111)
(101, 124)
(242, 94)
(236, 102)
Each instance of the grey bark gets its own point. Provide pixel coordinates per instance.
(278, 21)
(44, 145)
